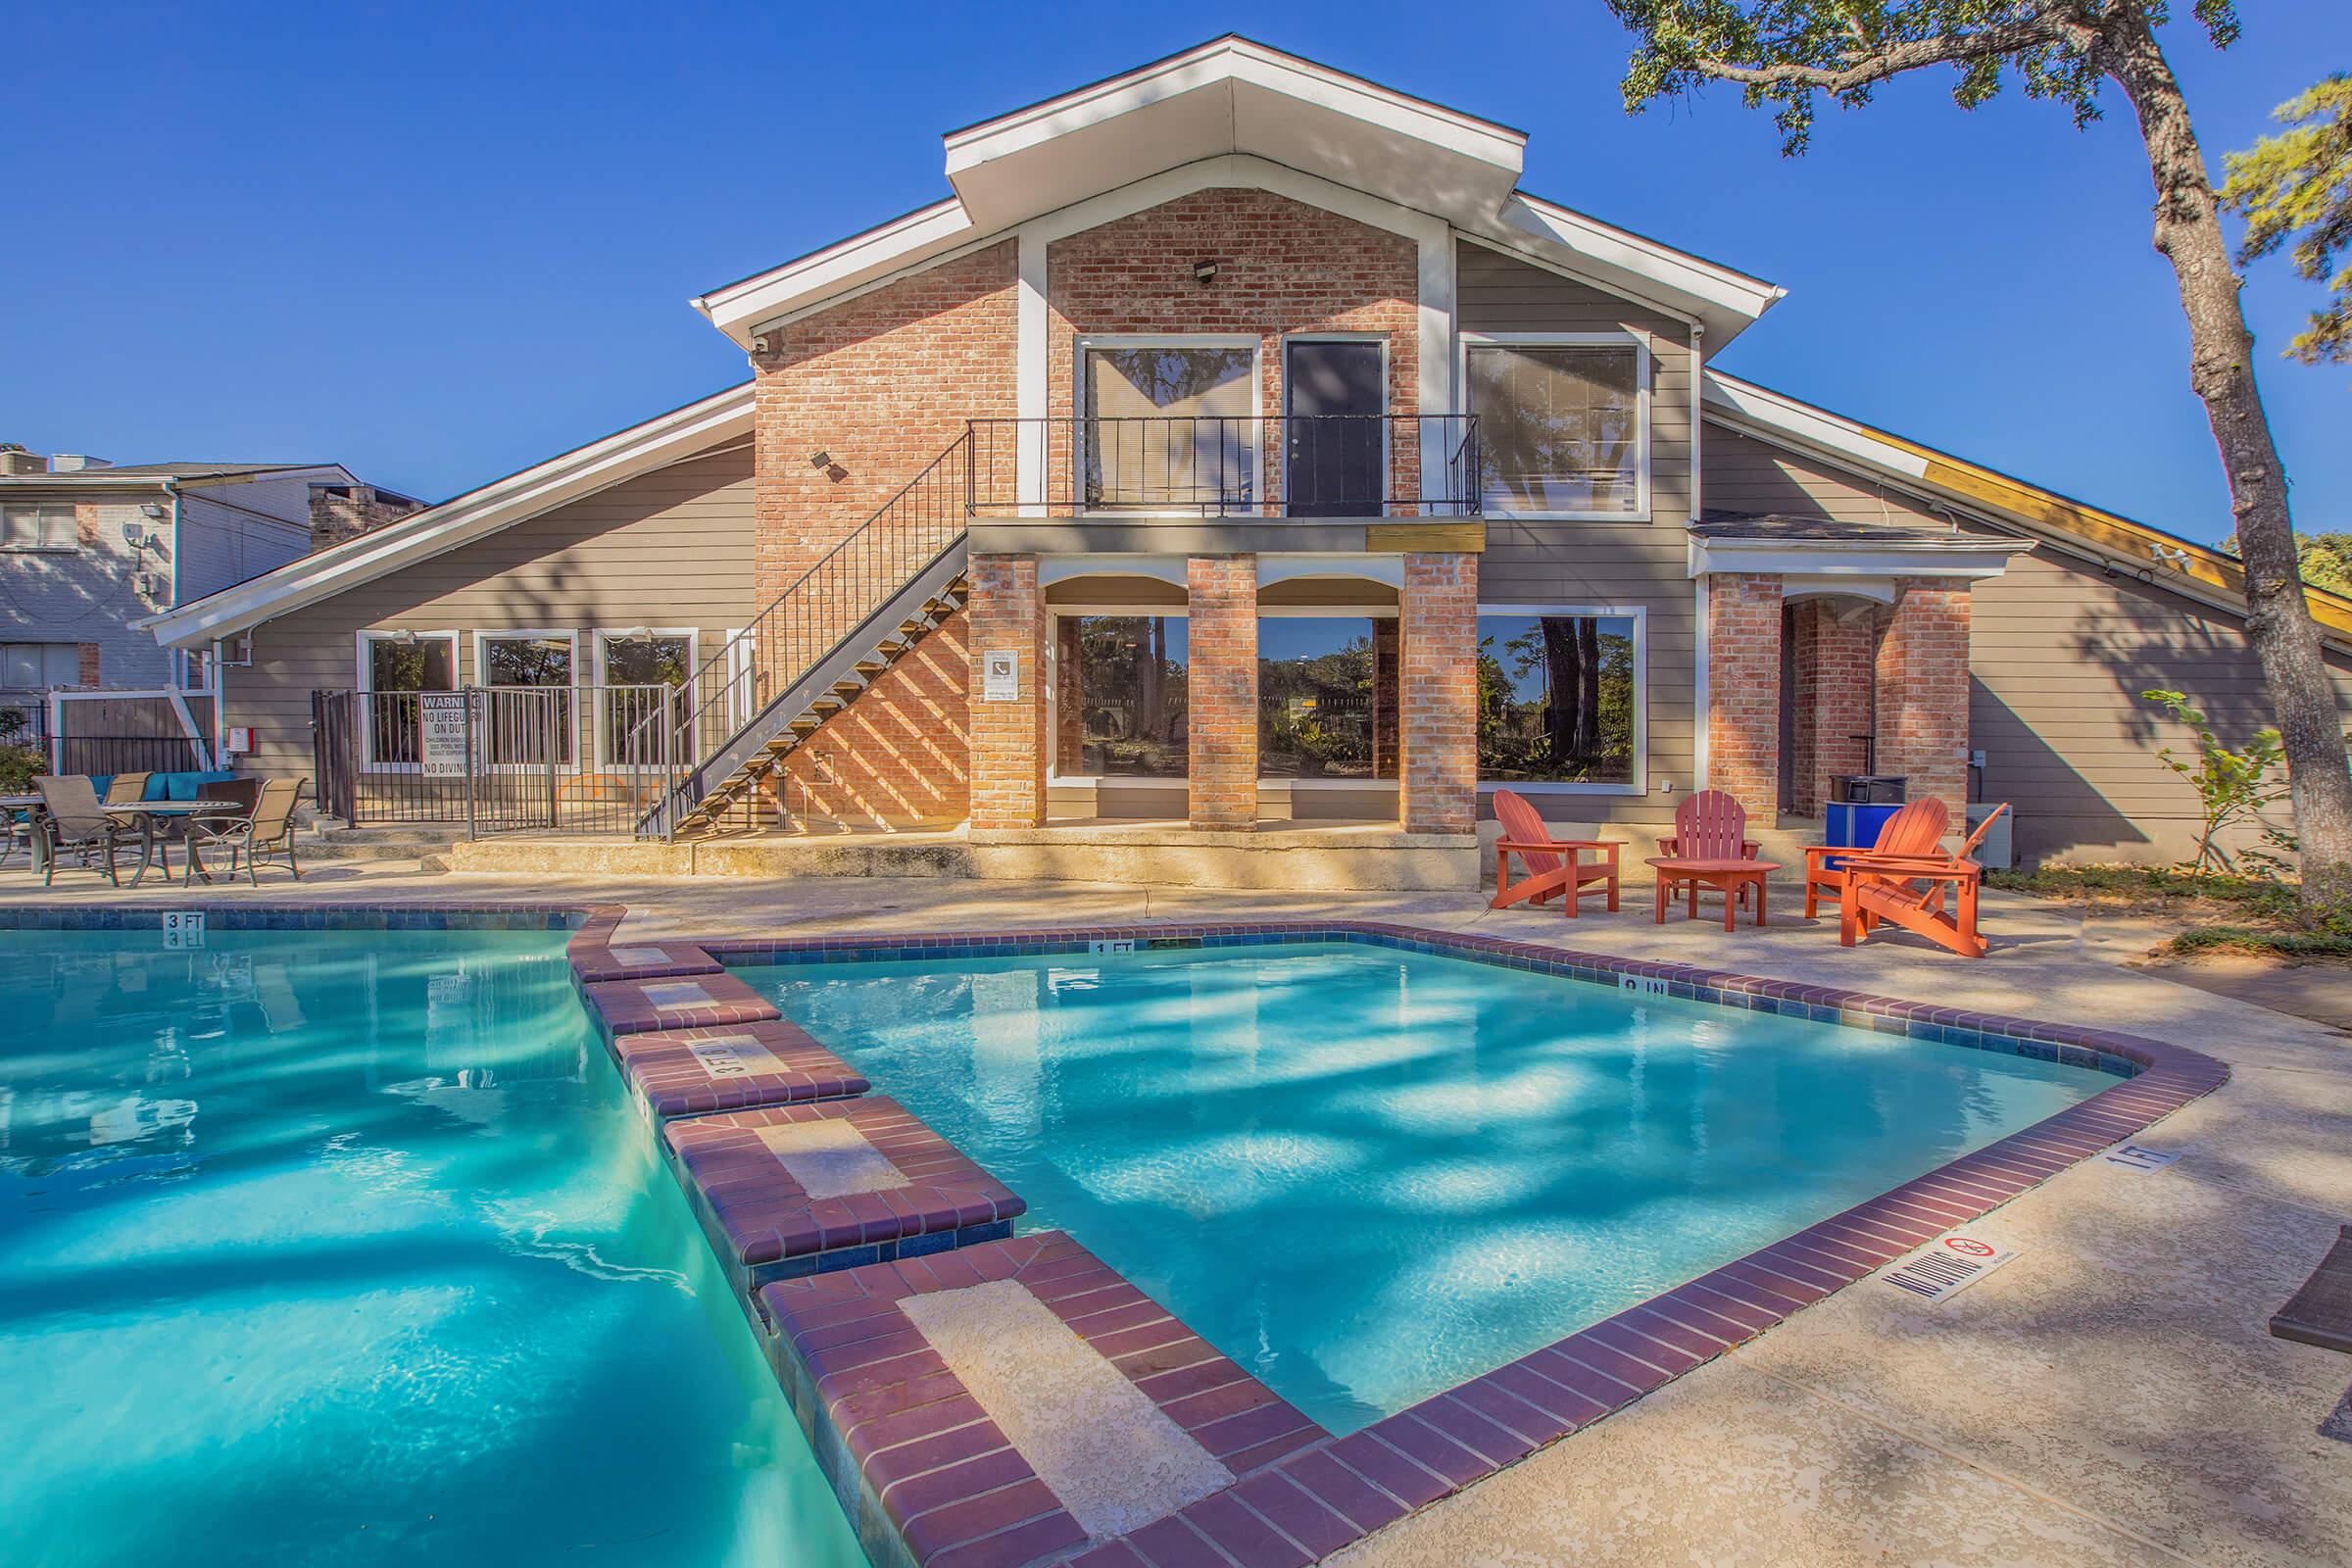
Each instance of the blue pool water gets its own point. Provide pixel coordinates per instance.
(1368, 1175)
(344, 1248)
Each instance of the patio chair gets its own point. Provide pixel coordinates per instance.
(126, 789)
(1552, 866)
(267, 829)
(1915, 829)
(73, 819)
(1908, 891)
(1710, 827)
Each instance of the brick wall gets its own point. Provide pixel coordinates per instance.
(1221, 690)
(1282, 267)
(85, 670)
(1007, 610)
(1923, 689)
(881, 383)
(340, 511)
(1437, 694)
(1830, 686)
(899, 756)
(1744, 690)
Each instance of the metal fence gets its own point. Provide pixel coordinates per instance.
(497, 758)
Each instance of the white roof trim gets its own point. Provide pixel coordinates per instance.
(1727, 299)
(423, 535)
(1821, 560)
(1746, 403)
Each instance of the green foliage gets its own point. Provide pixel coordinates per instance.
(2297, 186)
(1788, 54)
(19, 765)
(2251, 939)
(2231, 786)
(2325, 558)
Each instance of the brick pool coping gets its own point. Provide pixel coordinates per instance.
(629, 1007)
(672, 1081)
(922, 1467)
(764, 1225)
(591, 964)
(1339, 1489)
(1336, 1490)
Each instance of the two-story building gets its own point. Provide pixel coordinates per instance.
(1239, 442)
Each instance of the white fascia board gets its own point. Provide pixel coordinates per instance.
(1984, 556)
(922, 236)
(1747, 404)
(1223, 61)
(423, 535)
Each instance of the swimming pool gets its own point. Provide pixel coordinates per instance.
(343, 1247)
(1369, 1174)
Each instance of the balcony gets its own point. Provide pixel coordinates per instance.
(1332, 465)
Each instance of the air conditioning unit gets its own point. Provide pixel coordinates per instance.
(153, 585)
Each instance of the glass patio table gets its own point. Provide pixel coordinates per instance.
(152, 816)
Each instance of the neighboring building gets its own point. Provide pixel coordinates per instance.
(1239, 441)
(89, 549)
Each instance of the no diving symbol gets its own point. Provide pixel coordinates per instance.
(1971, 1247)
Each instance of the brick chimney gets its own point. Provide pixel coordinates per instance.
(15, 460)
(340, 511)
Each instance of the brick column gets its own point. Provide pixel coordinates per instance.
(1744, 690)
(1923, 689)
(1384, 698)
(1221, 690)
(1437, 694)
(1830, 697)
(1006, 611)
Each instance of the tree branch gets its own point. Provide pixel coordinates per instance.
(1863, 68)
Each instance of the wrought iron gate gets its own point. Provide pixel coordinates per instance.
(496, 758)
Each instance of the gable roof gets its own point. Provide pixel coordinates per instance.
(2179, 564)
(1235, 97)
(665, 439)
(150, 474)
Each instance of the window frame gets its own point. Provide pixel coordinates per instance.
(72, 650)
(364, 682)
(598, 637)
(483, 637)
(73, 545)
(1055, 615)
(1084, 342)
(1644, 368)
(1639, 783)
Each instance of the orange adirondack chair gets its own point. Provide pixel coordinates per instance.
(1908, 891)
(1552, 866)
(1915, 829)
(1709, 827)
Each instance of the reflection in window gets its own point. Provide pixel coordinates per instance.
(529, 712)
(636, 668)
(1555, 699)
(1322, 701)
(1558, 427)
(1128, 693)
(1169, 427)
(399, 666)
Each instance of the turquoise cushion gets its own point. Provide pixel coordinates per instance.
(177, 786)
(159, 787)
(99, 782)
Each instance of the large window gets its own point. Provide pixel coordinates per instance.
(1129, 696)
(1171, 425)
(37, 667)
(1318, 700)
(633, 666)
(31, 527)
(394, 667)
(1560, 427)
(1560, 698)
(529, 712)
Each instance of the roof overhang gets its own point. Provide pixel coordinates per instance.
(2150, 555)
(436, 530)
(1234, 98)
(1820, 564)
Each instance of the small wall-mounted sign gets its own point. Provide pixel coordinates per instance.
(1120, 945)
(441, 725)
(236, 740)
(1642, 985)
(1949, 1265)
(1000, 675)
(183, 928)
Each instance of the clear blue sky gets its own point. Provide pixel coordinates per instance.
(440, 242)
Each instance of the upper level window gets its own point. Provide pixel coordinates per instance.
(28, 526)
(37, 667)
(1562, 425)
(1170, 424)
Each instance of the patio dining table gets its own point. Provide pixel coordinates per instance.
(151, 815)
(10, 805)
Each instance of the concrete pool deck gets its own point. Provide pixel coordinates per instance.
(2109, 1396)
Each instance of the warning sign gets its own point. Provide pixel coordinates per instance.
(441, 725)
(1947, 1266)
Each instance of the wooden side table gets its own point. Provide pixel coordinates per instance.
(1726, 877)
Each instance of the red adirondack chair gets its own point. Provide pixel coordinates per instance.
(1552, 865)
(1709, 843)
(1907, 890)
(1915, 829)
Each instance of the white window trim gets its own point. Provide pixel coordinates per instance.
(1638, 615)
(365, 685)
(483, 637)
(1055, 615)
(597, 638)
(1388, 465)
(1645, 358)
(1169, 340)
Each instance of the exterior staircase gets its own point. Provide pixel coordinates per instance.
(867, 603)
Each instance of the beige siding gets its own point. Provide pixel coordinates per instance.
(1618, 565)
(671, 548)
(1739, 473)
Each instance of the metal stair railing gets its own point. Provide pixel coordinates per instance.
(735, 697)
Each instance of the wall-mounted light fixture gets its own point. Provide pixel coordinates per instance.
(152, 508)
(820, 459)
(1204, 272)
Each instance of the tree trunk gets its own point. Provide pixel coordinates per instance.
(2279, 623)
(1587, 718)
(1566, 679)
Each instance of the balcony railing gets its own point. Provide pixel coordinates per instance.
(1296, 465)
